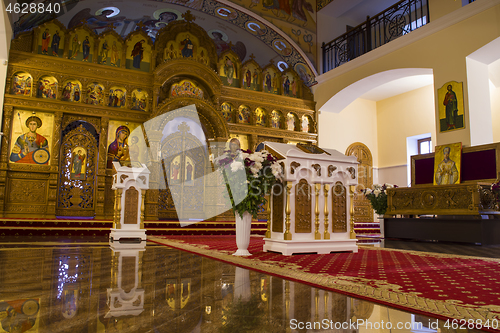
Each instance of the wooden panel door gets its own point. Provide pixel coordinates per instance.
(362, 209)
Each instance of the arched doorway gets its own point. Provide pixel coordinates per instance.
(363, 211)
(183, 134)
(78, 165)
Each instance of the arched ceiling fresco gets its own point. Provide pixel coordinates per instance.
(281, 31)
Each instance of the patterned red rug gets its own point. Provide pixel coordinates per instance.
(438, 285)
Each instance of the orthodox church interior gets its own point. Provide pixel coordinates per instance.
(408, 91)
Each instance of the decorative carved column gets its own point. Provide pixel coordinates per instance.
(288, 235)
(104, 194)
(326, 234)
(352, 188)
(54, 165)
(7, 122)
(252, 142)
(317, 235)
(117, 217)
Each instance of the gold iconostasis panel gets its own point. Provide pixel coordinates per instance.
(31, 137)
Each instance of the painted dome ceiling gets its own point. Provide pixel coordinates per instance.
(280, 31)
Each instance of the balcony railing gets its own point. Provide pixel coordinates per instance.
(394, 22)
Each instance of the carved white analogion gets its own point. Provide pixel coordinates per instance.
(311, 208)
(130, 185)
(126, 295)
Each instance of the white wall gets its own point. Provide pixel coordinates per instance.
(356, 123)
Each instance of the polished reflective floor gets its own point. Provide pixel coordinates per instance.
(86, 285)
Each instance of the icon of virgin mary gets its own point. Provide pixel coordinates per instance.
(118, 150)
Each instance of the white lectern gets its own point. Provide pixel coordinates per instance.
(130, 185)
(311, 208)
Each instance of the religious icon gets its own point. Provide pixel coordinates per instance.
(95, 94)
(290, 122)
(71, 91)
(104, 52)
(139, 100)
(260, 117)
(138, 54)
(451, 106)
(114, 55)
(75, 46)
(118, 150)
(69, 303)
(134, 150)
(19, 315)
(55, 44)
(47, 87)
(276, 119)
(189, 171)
(185, 291)
(268, 82)
(170, 292)
(30, 147)
(78, 163)
(234, 147)
(117, 97)
(86, 48)
(229, 70)
(45, 41)
(305, 124)
(175, 170)
(244, 114)
(21, 84)
(227, 113)
(447, 164)
(187, 50)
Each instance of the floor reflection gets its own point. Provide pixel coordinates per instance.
(150, 288)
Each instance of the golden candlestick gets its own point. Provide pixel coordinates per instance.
(352, 234)
(268, 231)
(326, 233)
(288, 235)
(317, 235)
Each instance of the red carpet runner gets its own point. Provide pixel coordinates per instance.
(437, 285)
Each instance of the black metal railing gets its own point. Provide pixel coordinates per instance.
(394, 22)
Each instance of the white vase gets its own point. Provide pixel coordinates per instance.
(243, 226)
(242, 284)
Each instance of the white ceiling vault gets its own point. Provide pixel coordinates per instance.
(229, 25)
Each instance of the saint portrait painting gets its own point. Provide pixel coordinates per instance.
(447, 164)
(451, 106)
(78, 163)
(30, 145)
(118, 150)
(122, 146)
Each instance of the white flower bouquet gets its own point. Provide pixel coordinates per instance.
(378, 197)
(249, 177)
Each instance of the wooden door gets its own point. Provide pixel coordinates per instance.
(363, 211)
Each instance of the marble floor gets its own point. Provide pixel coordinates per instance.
(86, 285)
